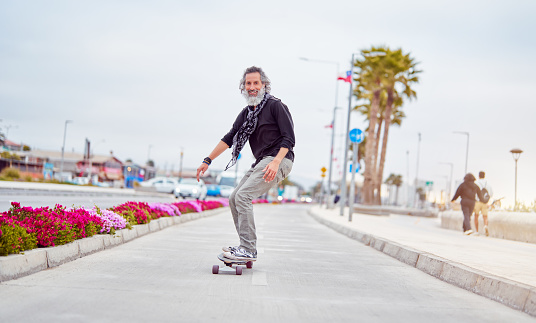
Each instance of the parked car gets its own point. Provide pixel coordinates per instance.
(162, 184)
(226, 190)
(213, 190)
(81, 180)
(190, 187)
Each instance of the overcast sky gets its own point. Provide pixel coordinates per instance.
(150, 78)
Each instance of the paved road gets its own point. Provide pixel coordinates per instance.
(306, 272)
(102, 198)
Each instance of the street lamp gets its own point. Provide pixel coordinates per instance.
(149, 154)
(7, 129)
(516, 153)
(180, 165)
(416, 200)
(450, 181)
(90, 155)
(347, 138)
(467, 149)
(63, 149)
(334, 114)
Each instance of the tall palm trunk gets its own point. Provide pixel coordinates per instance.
(387, 121)
(370, 169)
(376, 154)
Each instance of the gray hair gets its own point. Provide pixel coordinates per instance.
(264, 79)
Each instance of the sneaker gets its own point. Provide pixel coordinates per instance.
(229, 249)
(476, 233)
(240, 254)
(486, 230)
(468, 232)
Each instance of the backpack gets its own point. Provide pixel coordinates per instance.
(485, 195)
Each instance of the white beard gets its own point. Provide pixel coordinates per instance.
(254, 100)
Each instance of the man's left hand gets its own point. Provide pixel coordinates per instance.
(270, 171)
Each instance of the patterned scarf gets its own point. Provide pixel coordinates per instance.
(247, 128)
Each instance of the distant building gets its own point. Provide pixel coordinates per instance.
(105, 168)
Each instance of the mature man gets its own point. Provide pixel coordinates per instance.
(482, 205)
(267, 124)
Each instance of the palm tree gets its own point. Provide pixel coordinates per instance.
(378, 74)
(396, 119)
(369, 79)
(400, 70)
(395, 180)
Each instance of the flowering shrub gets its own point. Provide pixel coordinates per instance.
(168, 209)
(25, 228)
(14, 238)
(55, 226)
(210, 205)
(184, 207)
(133, 212)
(111, 220)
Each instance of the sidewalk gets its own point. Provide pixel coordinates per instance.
(498, 269)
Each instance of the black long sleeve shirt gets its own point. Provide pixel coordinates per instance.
(275, 130)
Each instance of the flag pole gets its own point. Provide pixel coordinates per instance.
(345, 169)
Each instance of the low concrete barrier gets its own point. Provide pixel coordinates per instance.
(388, 209)
(516, 226)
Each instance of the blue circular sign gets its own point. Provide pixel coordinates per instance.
(356, 135)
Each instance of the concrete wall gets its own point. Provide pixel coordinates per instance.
(504, 225)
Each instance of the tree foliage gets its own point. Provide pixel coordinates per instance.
(384, 79)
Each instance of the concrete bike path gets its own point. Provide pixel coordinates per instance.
(305, 273)
(502, 270)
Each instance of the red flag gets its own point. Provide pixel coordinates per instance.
(329, 125)
(347, 77)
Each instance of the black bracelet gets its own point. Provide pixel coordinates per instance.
(207, 160)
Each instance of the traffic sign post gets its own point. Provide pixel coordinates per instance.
(322, 194)
(356, 136)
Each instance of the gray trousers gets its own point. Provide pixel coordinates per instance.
(251, 187)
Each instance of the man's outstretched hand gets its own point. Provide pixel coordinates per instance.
(201, 170)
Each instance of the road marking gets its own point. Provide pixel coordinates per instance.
(259, 278)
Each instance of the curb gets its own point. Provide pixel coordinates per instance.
(32, 261)
(518, 296)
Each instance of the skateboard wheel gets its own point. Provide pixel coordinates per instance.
(215, 269)
(249, 264)
(238, 270)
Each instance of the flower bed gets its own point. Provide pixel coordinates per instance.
(25, 228)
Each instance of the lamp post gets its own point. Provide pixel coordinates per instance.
(7, 129)
(90, 156)
(346, 139)
(516, 153)
(180, 165)
(63, 149)
(467, 149)
(334, 114)
(417, 172)
(149, 154)
(450, 180)
(407, 178)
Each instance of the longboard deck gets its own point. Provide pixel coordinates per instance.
(229, 265)
(232, 261)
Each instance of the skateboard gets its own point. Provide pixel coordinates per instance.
(228, 269)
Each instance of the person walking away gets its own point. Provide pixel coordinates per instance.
(468, 191)
(482, 205)
(267, 124)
